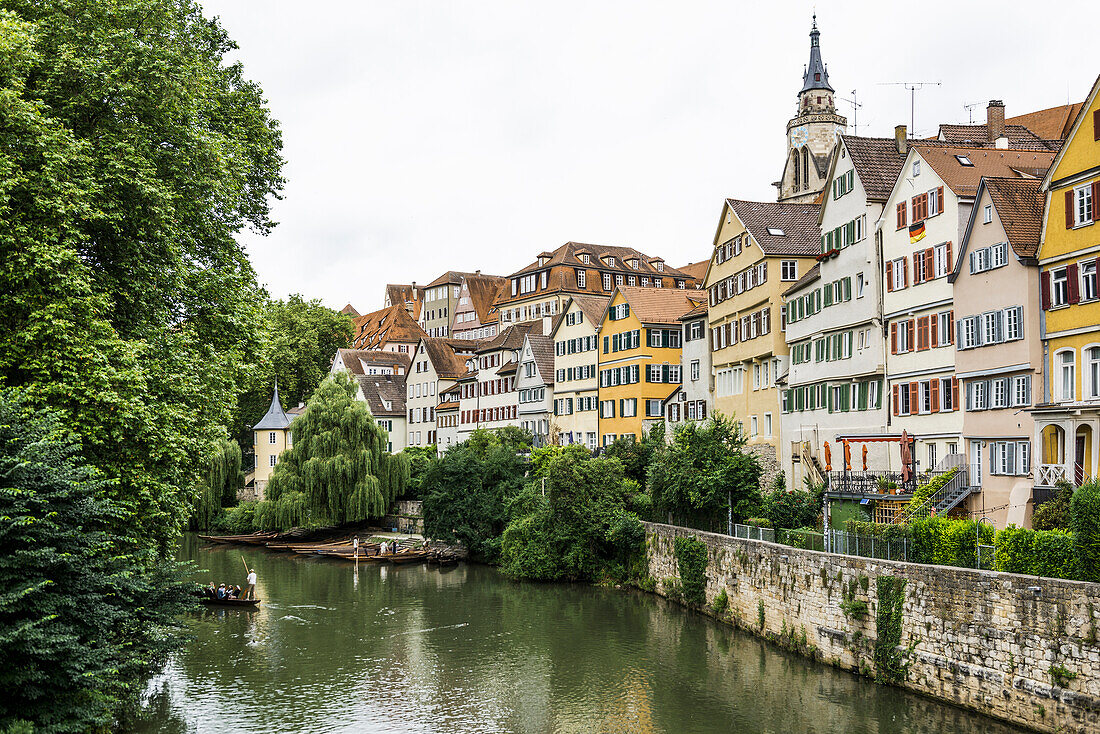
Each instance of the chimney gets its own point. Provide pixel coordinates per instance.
(901, 139)
(995, 120)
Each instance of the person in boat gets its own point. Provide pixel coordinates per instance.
(210, 591)
(385, 548)
(250, 589)
(221, 593)
(355, 545)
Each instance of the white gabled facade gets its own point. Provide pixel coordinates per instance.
(421, 385)
(694, 401)
(534, 389)
(834, 321)
(576, 379)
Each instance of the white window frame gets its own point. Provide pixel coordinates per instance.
(1059, 287)
(1084, 208)
(1066, 373)
(987, 214)
(788, 270)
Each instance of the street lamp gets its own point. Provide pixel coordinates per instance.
(978, 539)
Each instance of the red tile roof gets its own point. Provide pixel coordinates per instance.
(797, 223)
(660, 305)
(393, 324)
(1019, 205)
(988, 162)
(877, 163)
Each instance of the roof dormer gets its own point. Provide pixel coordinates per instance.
(633, 263)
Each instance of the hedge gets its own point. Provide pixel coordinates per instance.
(1050, 553)
(944, 542)
(1084, 520)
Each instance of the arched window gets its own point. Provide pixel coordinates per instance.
(805, 168)
(794, 160)
(1092, 364)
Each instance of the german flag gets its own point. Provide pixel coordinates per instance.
(916, 231)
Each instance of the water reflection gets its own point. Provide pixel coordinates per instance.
(337, 648)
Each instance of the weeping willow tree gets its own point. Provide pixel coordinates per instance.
(218, 488)
(337, 469)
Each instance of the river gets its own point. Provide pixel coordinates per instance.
(414, 649)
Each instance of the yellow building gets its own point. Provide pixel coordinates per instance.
(1067, 421)
(270, 437)
(760, 250)
(639, 357)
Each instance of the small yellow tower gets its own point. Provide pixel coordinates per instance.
(270, 437)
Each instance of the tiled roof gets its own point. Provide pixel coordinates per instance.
(877, 163)
(976, 136)
(696, 270)
(449, 405)
(444, 354)
(592, 306)
(412, 294)
(797, 222)
(660, 305)
(568, 253)
(989, 162)
(542, 349)
(354, 359)
(454, 277)
(1019, 205)
(350, 311)
(808, 277)
(385, 394)
(512, 337)
(275, 419)
(1053, 123)
(484, 290)
(700, 310)
(508, 368)
(392, 324)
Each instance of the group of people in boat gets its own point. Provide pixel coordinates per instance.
(228, 592)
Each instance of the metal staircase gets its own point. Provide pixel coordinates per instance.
(945, 499)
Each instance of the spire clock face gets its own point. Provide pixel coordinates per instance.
(799, 136)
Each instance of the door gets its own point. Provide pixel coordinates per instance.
(1079, 461)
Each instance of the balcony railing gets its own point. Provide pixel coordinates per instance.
(1047, 475)
(870, 482)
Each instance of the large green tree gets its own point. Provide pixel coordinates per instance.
(79, 625)
(133, 154)
(338, 469)
(704, 474)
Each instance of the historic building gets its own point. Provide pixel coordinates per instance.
(474, 315)
(411, 296)
(576, 359)
(270, 437)
(436, 365)
(694, 401)
(487, 390)
(391, 329)
(833, 315)
(813, 132)
(369, 362)
(921, 226)
(542, 288)
(1067, 419)
(760, 250)
(441, 298)
(535, 388)
(639, 357)
(385, 397)
(998, 355)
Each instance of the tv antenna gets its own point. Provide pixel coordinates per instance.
(912, 87)
(970, 110)
(855, 111)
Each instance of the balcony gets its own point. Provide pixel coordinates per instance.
(1048, 475)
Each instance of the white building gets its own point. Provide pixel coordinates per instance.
(576, 383)
(436, 365)
(487, 390)
(694, 399)
(834, 316)
(535, 387)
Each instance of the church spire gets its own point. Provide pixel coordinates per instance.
(816, 76)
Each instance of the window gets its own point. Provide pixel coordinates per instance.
(694, 370)
(1092, 364)
(963, 160)
(776, 232)
(859, 285)
(1087, 272)
(755, 426)
(582, 278)
(1083, 207)
(271, 437)
(653, 408)
(1067, 371)
(941, 257)
(788, 270)
(1059, 287)
(607, 281)
(931, 456)
(586, 258)
(272, 460)
(896, 274)
(618, 279)
(1013, 323)
(987, 214)
(1021, 390)
(998, 397)
(629, 407)
(767, 424)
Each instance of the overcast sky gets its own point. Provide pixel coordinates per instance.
(423, 136)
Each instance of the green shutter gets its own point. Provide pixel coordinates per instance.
(848, 288)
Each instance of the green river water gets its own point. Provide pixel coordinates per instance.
(414, 649)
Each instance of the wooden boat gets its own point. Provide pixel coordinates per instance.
(407, 557)
(238, 603)
(249, 539)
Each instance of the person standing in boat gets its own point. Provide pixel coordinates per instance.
(355, 545)
(250, 589)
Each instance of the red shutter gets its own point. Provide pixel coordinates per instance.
(894, 390)
(951, 327)
(911, 329)
(1044, 290)
(934, 388)
(950, 259)
(1095, 201)
(894, 338)
(918, 266)
(929, 264)
(1096, 126)
(1072, 283)
(923, 329)
(933, 330)
(901, 215)
(1069, 209)
(954, 393)
(939, 199)
(889, 277)
(914, 406)
(905, 274)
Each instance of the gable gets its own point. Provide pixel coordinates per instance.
(1081, 151)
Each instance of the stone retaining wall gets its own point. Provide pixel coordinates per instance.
(983, 640)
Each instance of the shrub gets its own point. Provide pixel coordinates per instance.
(691, 560)
(890, 665)
(758, 522)
(790, 509)
(1050, 553)
(1054, 515)
(1013, 550)
(925, 491)
(720, 604)
(947, 542)
(1084, 512)
(236, 520)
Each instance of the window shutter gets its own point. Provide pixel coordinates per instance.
(969, 396)
(950, 320)
(1096, 126)
(848, 288)
(934, 388)
(929, 264)
(901, 215)
(894, 338)
(959, 328)
(954, 393)
(1044, 290)
(950, 260)
(1095, 201)
(889, 277)
(1072, 283)
(939, 200)
(905, 274)
(913, 398)
(911, 332)
(894, 390)
(1069, 209)
(973, 262)
(933, 330)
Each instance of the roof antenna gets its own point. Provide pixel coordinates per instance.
(912, 87)
(970, 110)
(855, 111)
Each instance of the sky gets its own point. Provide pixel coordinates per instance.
(422, 136)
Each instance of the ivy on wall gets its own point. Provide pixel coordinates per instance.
(691, 559)
(890, 662)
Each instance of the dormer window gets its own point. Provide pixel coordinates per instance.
(776, 232)
(542, 261)
(963, 160)
(660, 267)
(611, 262)
(586, 258)
(633, 263)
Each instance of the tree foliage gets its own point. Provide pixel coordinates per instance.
(79, 624)
(571, 520)
(420, 460)
(464, 491)
(1084, 512)
(788, 508)
(218, 488)
(337, 469)
(702, 471)
(635, 456)
(1054, 515)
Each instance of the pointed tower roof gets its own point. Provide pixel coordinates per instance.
(275, 419)
(816, 76)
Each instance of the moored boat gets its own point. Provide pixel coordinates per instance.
(238, 603)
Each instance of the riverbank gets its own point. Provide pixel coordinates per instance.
(1018, 648)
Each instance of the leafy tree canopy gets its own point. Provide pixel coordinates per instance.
(337, 469)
